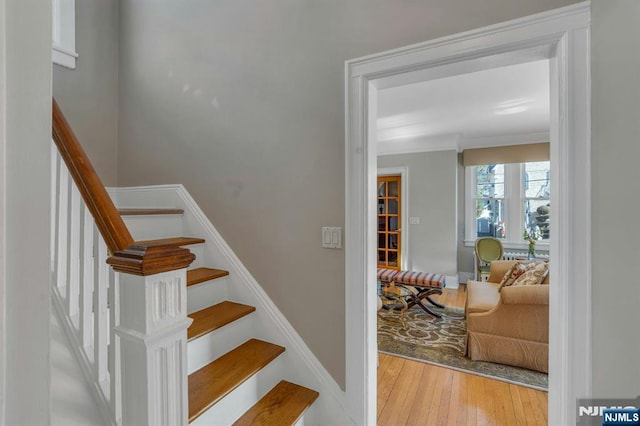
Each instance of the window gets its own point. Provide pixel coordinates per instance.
(537, 197)
(64, 33)
(505, 199)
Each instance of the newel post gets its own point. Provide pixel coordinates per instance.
(152, 333)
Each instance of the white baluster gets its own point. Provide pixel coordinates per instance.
(63, 230)
(100, 314)
(115, 370)
(86, 289)
(55, 164)
(73, 263)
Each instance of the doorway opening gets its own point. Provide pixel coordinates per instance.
(561, 36)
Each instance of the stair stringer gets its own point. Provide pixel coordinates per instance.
(302, 366)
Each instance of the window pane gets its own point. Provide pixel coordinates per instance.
(536, 179)
(381, 189)
(381, 206)
(393, 258)
(393, 241)
(537, 192)
(537, 216)
(490, 181)
(381, 241)
(393, 206)
(490, 218)
(393, 189)
(393, 223)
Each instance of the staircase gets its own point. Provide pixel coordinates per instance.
(176, 331)
(227, 366)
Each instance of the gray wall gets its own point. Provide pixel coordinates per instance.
(243, 103)
(615, 153)
(432, 189)
(25, 106)
(88, 95)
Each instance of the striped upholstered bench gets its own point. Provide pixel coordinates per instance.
(422, 284)
(386, 275)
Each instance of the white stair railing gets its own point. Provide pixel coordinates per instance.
(85, 289)
(121, 303)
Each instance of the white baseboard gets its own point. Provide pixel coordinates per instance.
(466, 276)
(451, 281)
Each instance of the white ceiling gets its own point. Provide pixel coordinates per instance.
(499, 106)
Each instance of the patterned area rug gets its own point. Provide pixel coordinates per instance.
(441, 341)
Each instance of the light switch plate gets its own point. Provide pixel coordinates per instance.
(415, 220)
(331, 237)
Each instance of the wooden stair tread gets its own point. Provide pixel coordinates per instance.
(283, 405)
(178, 241)
(200, 275)
(216, 316)
(218, 378)
(145, 212)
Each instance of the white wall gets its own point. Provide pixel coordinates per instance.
(615, 174)
(432, 189)
(26, 47)
(243, 103)
(88, 95)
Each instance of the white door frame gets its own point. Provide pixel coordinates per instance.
(562, 35)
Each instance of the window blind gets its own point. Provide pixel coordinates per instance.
(506, 154)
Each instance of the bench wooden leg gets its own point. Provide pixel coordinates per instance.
(425, 294)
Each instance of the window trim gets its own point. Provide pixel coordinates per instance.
(514, 199)
(64, 33)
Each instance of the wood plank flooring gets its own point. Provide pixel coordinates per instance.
(416, 393)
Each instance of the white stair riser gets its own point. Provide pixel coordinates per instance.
(150, 227)
(203, 350)
(207, 294)
(236, 403)
(198, 250)
(144, 197)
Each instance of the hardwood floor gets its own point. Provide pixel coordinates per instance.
(416, 393)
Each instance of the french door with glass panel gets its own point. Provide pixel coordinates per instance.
(389, 226)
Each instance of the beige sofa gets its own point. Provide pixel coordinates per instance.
(510, 326)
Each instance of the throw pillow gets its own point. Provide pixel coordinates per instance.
(534, 274)
(511, 275)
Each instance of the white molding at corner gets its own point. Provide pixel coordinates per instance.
(64, 57)
(452, 282)
(564, 34)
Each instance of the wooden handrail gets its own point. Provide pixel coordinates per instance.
(141, 258)
(108, 220)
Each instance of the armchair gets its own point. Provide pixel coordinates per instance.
(508, 326)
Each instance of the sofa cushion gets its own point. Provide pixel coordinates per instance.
(499, 268)
(525, 273)
(534, 274)
(481, 296)
(511, 275)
